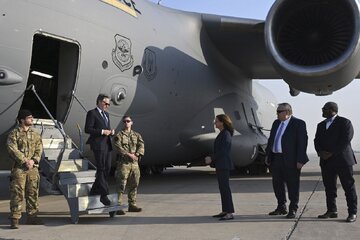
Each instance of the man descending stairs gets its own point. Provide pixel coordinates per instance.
(64, 170)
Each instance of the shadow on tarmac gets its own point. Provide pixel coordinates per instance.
(61, 218)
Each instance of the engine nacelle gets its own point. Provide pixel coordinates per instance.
(314, 44)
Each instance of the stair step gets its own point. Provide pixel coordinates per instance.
(44, 122)
(76, 190)
(106, 209)
(77, 177)
(74, 165)
(53, 153)
(93, 202)
(48, 131)
(56, 143)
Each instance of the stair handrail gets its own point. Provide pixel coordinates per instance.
(81, 147)
(58, 126)
(78, 100)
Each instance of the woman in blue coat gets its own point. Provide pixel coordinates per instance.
(223, 164)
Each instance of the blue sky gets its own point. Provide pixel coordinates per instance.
(238, 8)
(305, 106)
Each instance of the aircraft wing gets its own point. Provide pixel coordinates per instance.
(241, 41)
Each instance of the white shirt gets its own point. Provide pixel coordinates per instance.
(329, 121)
(101, 111)
(285, 123)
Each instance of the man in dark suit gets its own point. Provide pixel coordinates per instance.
(286, 151)
(98, 126)
(332, 144)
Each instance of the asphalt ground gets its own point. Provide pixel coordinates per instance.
(179, 204)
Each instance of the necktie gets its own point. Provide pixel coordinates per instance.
(104, 117)
(278, 139)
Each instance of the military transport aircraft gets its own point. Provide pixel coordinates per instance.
(172, 71)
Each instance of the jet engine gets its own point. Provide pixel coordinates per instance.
(314, 45)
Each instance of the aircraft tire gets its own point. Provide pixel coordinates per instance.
(157, 170)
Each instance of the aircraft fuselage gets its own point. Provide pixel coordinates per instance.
(148, 58)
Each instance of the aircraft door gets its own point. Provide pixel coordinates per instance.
(53, 72)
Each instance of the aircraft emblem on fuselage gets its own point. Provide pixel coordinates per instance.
(149, 64)
(121, 54)
(127, 6)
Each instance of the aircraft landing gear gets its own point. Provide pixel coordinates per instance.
(151, 170)
(258, 167)
(157, 170)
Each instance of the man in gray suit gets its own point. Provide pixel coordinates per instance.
(332, 143)
(286, 151)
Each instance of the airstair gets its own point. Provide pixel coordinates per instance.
(64, 170)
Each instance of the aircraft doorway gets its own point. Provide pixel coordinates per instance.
(53, 72)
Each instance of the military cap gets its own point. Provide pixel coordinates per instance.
(23, 113)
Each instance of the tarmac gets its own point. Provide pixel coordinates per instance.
(179, 204)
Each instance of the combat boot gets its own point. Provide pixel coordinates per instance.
(14, 223)
(134, 208)
(34, 220)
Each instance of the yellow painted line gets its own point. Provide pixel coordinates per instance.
(121, 6)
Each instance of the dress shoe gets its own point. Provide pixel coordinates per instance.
(291, 214)
(134, 208)
(220, 215)
(105, 200)
(14, 223)
(329, 215)
(278, 212)
(33, 220)
(228, 216)
(120, 212)
(351, 218)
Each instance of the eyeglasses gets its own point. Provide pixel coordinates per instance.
(280, 111)
(126, 121)
(106, 104)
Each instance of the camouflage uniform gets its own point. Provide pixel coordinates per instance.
(127, 171)
(24, 145)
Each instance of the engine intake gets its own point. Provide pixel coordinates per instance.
(314, 44)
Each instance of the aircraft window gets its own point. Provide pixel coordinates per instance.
(237, 115)
(105, 64)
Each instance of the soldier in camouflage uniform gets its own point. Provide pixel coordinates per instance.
(130, 147)
(25, 148)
